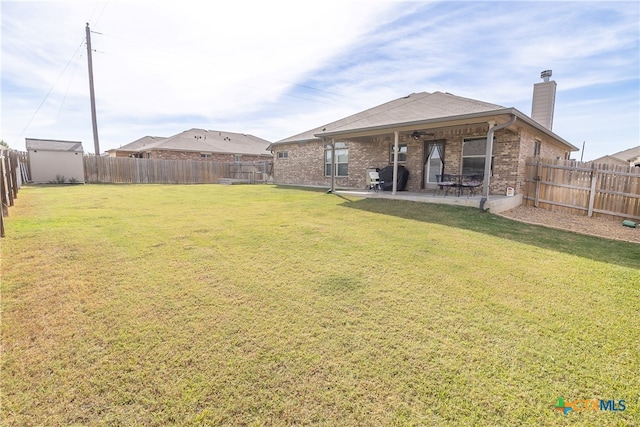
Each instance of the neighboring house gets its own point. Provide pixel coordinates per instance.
(136, 148)
(630, 157)
(435, 133)
(198, 144)
(55, 161)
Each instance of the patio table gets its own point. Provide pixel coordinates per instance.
(459, 183)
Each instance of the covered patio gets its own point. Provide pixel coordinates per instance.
(422, 138)
(494, 204)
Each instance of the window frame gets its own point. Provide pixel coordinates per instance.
(476, 171)
(537, 146)
(402, 154)
(342, 168)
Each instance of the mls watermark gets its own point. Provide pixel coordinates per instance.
(581, 405)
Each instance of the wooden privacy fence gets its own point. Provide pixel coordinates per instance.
(251, 172)
(583, 188)
(152, 171)
(13, 170)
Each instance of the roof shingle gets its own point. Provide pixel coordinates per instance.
(414, 107)
(202, 140)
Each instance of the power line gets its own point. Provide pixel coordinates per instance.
(50, 90)
(73, 73)
(95, 22)
(62, 73)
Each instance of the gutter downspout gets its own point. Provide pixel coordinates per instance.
(489, 151)
(396, 138)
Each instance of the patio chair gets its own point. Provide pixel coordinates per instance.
(471, 183)
(446, 182)
(374, 181)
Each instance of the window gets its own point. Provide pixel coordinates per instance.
(237, 158)
(473, 155)
(341, 161)
(536, 148)
(402, 153)
(205, 155)
(283, 154)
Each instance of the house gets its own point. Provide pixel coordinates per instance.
(630, 157)
(136, 148)
(53, 161)
(198, 144)
(433, 133)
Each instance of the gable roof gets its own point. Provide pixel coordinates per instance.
(416, 106)
(622, 157)
(628, 155)
(53, 145)
(415, 109)
(202, 140)
(610, 160)
(145, 142)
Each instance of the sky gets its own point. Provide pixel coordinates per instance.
(277, 68)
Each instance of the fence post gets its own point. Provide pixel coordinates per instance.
(538, 178)
(9, 185)
(13, 175)
(592, 191)
(4, 184)
(2, 190)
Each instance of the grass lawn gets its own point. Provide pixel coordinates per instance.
(159, 305)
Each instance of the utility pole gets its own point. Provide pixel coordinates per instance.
(93, 96)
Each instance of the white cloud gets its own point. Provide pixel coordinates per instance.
(276, 69)
(177, 58)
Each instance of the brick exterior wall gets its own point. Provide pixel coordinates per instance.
(304, 164)
(192, 155)
(549, 149)
(506, 149)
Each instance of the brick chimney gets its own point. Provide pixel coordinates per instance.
(544, 99)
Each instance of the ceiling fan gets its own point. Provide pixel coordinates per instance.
(416, 135)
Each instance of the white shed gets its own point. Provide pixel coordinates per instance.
(55, 161)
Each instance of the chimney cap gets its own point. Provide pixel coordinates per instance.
(545, 75)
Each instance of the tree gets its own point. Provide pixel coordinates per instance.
(4, 144)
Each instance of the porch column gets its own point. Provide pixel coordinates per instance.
(396, 145)
(333, 165)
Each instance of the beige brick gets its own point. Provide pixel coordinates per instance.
(305, 162)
